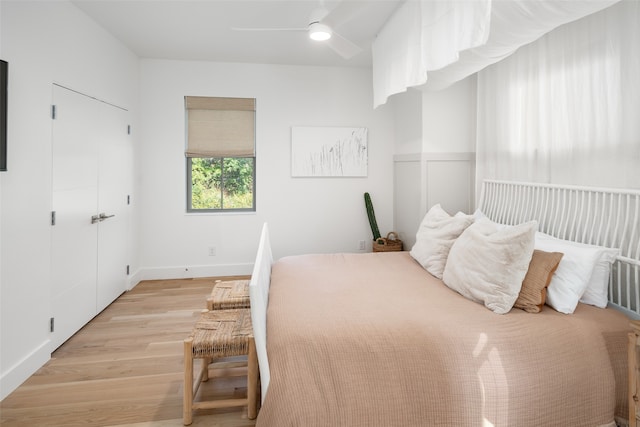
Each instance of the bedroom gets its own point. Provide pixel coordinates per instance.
(55, 42)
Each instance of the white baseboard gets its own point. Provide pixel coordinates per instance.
(21, 371)
(188, 272)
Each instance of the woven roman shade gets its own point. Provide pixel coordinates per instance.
(220, 127)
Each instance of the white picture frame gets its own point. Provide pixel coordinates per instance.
(329, 151)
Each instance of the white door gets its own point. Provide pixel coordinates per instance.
(114, 166)
(88, 252)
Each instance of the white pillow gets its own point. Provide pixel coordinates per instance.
(571, 279)
(434, 238)
(487, 264)
(598, 288)
(478, 214)
(593, 262)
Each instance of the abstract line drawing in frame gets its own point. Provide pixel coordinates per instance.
(329, 151)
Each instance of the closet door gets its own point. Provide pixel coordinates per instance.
(74, 238)
(114, 164)
(89, 198)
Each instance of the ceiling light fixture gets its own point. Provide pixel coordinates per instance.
(319, 32)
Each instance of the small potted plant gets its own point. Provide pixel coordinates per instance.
(391, 243)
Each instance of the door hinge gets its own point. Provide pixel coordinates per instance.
(53, 112)
(51, 324)
(128, 129)
(127, 270)
(53, 217)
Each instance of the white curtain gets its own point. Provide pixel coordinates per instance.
(566, 108)
(432, 44)
(425, 35)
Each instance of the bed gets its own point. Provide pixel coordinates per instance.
(377, 340)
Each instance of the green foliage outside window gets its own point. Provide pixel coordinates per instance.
(222, 183)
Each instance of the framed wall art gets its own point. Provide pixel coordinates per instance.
(329, 151)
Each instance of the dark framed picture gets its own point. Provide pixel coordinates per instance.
(4, 71)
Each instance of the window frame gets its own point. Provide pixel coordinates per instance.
(191, 209)
(219, 129)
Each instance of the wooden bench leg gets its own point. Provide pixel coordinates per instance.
(204, 369)
(187, 401)
(632, 372)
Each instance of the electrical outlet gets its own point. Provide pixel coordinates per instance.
(361, 245)
(212, 251)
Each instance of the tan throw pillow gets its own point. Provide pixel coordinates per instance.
(533, 293)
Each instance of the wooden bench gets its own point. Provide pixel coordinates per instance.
(220, 334)
(228, 294)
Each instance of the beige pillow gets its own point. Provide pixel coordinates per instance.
(488, 265)
(534, 286)
(434, 238)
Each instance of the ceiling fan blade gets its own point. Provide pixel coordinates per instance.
(269, 29)
(342, 46)
(344, 12)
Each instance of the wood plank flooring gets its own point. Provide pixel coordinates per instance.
(125, 367)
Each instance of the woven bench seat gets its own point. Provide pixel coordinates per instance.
(219, 334)
(228, 294)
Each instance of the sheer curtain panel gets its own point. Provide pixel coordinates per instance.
(425, 35)
(431, 44)
(565, 109)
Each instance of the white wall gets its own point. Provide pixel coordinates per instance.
(434, 157)
(449, 118)
(407, 107)
(305, 215)
(44, 43)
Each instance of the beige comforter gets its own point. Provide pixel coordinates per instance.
(375, 340)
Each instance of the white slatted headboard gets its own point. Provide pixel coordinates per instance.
(598, 216)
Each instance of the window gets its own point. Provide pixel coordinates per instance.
(220, 154)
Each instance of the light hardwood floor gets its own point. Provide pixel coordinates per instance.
(125, 368)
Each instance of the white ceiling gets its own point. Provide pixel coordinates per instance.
(202, 29)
